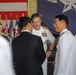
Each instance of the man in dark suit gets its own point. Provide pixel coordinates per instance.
(28, 50)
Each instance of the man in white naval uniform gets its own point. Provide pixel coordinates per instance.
(6, 64)
(45, 34)
(65, 61)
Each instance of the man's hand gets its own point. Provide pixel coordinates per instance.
(48, 53)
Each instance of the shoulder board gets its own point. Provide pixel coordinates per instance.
(44, 27)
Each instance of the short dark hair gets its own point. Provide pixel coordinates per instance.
(62, 17)
(35, 15)
(23, 21)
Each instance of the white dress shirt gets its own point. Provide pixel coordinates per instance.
(6, 65)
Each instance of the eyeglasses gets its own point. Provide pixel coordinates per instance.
(56, 24)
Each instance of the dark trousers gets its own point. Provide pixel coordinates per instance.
(50, 68)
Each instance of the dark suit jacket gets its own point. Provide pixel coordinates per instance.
(29, 54)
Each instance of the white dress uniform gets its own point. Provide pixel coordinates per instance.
(45, 34)
(65, 61)
(6, 65)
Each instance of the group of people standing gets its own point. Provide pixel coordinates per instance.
(30, 47)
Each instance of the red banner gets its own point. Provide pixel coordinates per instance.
(1, 1)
